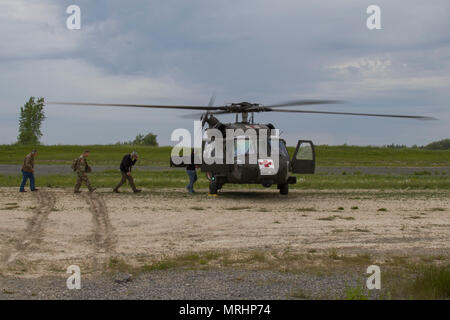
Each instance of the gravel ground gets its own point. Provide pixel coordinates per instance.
(65, 169)
(43, 233)
(186, 284)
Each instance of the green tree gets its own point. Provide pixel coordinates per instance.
(150, 140)
(439, 145)
(139, 140)
(147, 140)
(31, 118)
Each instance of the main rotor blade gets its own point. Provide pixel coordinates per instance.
(303, 103)
(357, 114)
(198, 115)
(138, 105)
(212, 100)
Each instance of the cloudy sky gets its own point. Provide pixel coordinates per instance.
(180, 52)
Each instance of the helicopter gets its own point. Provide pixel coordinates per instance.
(274, 167)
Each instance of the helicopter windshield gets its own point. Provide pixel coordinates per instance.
(278, 146)
(244, 146)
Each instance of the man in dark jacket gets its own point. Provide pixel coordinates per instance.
(128, 161)
(28, 171)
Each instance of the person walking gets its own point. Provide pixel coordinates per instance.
(82, 169)
(128, 161)
(28, 171)
(192, 174)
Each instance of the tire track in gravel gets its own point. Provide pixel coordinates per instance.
(103, 233)
(34, 231)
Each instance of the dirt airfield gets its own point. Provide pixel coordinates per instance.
(44, 232)
(54, 227)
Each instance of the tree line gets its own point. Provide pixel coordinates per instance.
(32, 116)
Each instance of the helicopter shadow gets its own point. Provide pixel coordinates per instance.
(246, 195)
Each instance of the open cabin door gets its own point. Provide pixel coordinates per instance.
(304, 158)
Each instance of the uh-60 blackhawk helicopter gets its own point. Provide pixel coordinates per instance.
(241, 170)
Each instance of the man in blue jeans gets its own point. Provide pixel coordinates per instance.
(192, 174)
(28, 171)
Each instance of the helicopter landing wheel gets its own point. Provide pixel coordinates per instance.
(284, 188)
(213, 187)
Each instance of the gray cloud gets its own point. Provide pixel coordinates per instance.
(263, 51)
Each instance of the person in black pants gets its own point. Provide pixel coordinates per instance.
(192, 174)
(128, 161)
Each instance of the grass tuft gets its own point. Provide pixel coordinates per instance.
(356, 293)
(238, 208)
(306, 209)
(332, 218)
(432, 282)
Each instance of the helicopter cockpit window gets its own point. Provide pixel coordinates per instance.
(278, 146)
(244, 146)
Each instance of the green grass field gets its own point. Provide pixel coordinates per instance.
(326, 156)
(178, 178)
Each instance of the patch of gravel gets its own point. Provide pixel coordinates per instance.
(187, 284)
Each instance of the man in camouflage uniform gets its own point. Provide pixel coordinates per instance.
(28, 171)
(82, 169)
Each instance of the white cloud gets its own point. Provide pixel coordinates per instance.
(34, 28)
(380, 76)
(366, 67)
